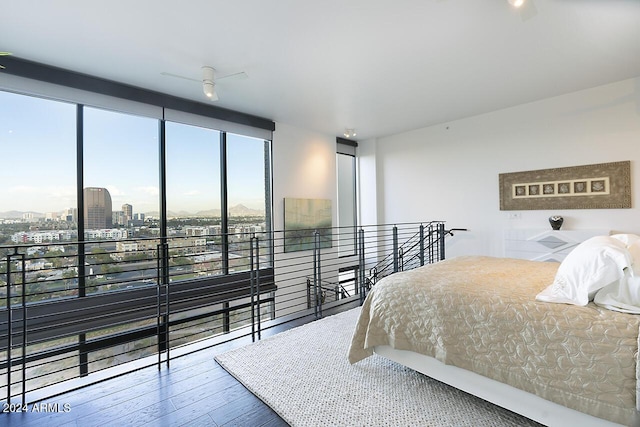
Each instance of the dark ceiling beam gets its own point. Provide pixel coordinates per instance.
(46, 73)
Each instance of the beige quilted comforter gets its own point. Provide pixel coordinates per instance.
(480, 314)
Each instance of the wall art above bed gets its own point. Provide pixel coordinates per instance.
(599, 186)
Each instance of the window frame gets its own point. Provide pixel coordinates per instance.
(37, 80)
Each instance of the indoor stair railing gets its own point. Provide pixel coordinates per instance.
(426, 246)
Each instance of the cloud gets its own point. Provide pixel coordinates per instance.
(37, 198)
(192, 193)
(150, 190)
(114, 191)
(22, 189)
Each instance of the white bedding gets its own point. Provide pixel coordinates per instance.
(480, 314)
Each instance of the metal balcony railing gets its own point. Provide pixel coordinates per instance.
(73, 309)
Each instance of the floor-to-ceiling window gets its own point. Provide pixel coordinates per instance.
(193, 201)
(248, 164)
(248, 184)
(120, 204)
(347, 211)
(121, 199)
(89, 196)
(38, 210)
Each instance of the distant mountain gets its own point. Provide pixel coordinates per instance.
(238, 210)
(19, 214)
(242, 210)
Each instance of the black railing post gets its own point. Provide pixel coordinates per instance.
(401, 259)
(24, 330)
(9, 329)
(226, 317)
(421, 245)
(431, 245)
(159, 305)
(317, 276)
(257, 284)
(395, 249)
(167, 289)
(441, 236)
(253, 291)
(361, 265)
(9, 325)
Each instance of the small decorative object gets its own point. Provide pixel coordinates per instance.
(556, 222)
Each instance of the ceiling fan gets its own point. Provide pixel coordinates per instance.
(209, 80)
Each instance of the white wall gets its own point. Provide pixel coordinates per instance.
(450, 171)
(304, 166)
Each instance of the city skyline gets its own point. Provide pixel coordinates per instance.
(16, 214)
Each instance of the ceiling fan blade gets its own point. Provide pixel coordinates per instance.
(229, 77)
(233, 77)
(164, 73)
(211, 79)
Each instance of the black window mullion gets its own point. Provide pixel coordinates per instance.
(83, 356)
(163, 177)
(268, 199)
(162, 327)
(80, 196)
(224, 211)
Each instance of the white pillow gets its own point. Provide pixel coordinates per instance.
(632, 241)
(592, 265)
(623, 295)
(627, 239)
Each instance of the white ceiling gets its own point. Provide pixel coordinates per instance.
(381, 67)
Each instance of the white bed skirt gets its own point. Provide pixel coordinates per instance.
(529, 405)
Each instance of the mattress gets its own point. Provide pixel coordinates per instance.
(480, 314)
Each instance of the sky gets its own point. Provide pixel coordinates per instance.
(121, 153)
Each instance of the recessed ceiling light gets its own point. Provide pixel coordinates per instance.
(349, 133)
(516, 3)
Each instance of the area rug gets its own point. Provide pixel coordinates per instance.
(303, 375)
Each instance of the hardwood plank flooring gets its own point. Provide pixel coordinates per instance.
(194, 391)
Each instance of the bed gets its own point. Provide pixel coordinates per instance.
(475, 323)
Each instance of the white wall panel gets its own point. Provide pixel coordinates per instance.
(450, 171)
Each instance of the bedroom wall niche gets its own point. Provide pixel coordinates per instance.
(304, 167)
(450, 171)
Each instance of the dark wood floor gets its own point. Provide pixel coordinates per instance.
(194, 391)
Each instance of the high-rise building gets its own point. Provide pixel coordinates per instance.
(69, 215)
(118, 218)
(97, 208)
(128, 213)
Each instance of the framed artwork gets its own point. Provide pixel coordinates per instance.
(302, 217)
(598, 186)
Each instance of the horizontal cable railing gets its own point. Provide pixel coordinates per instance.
(71, 309)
